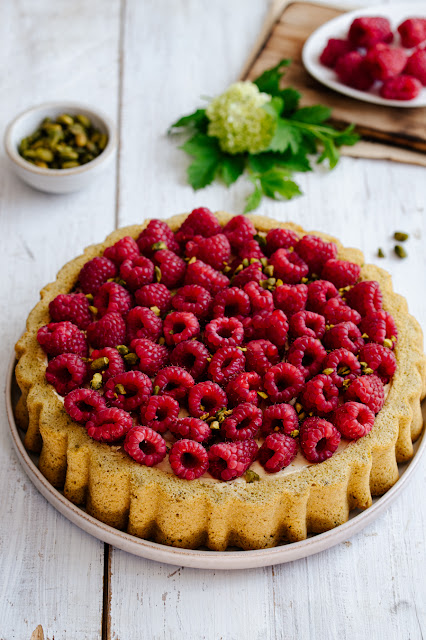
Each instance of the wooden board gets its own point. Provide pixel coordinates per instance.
(402, 128)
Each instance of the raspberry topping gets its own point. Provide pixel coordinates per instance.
(260, 299)
(223, 332)
(277, 452)
(229, 460)
(368, 31)
(154, 295)
(307, 354)
(109, 425)
(174, 381)
(206, 398)
(244, 423)
(379, 359)
(156, 232)
(145, 445)
(401, 87)
(214, 251)
(203, 274)
(128, 390)
(365, 297)
(280, 418)
(192, 428)
(344, 334)
(283, 382)
(252, 273)
(380, 326)
(109, 331)
(412, 32)
(244, 388)
(137, 272)
(315, 252)
(194, 299)
(335, 311)
(260, 355)
(107, 361)
(124, 249)
(239, 230)
(249, 250)
(280, 239)
(307, 323)
(341, 272)
(188, 459)
(200, 222)
(367, 390)
(66, 372)
(170, 268)
(192, 356)
(95, 272)
(288, 266)
(334, 49)
(291, 298)
(320, 395)
(273, 326)
(179, 326)
(226, 362)
(62, 337)
(319, 293)
(160, 413)
(319, 439)
(141, 322)
(82, 404)
(152, 356)
(232, 302)
(71, 307)
(385, 62)
(112, 298)
(353, 420)
(342, 366)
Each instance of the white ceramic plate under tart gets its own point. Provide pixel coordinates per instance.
(338, 28)
(200, 558)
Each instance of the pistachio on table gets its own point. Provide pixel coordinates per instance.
(64, 143)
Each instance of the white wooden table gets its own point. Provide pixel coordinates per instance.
(146, 63)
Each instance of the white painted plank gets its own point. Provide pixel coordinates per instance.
(51, 572)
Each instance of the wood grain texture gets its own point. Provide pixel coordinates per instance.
(146, 64)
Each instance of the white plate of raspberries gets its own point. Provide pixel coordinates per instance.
(375, 54)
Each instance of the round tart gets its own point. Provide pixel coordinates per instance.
(221, 381)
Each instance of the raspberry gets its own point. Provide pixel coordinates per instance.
(384, 61)
(154, 295)
(368, 31)
(288, 266)
(62, 337)
(66, 372)
(223, 332)
(229, 460)
(319, 439)
(249, 250)
(152, 356)
(124, 249)
(307, 354)
(193, 298)
(200, 222)
(353, 70)
(335, 311)
(112, 298)
(280, 239)
(367, 390)
(239, 230)
(156, 231)
(334, 50)
(380, 359)
(109, 425)
(283, 382)
(273, 326)
(192, 356)
(244, 423)
(113, 367)
(172, 268)
(291, 298)
(226, 362)
(232, 302)
(137, 272)
(280, 418)
(252, 273)
(353, 420)
(191, 428)
(320, 395)
(179, 326)
(95, 272)
(379, 326)
(214, 251)
(206, 397)
(261, 355)
(344, 365)
(174, 382)
(260, 299)
(319, 292)
(401, 88)
(128, 390)
(277, 452)
(307, 323)
(160, 413)
(71, 307)
(82, 404)
(416, 65)
(188, 459)
(315, 252)
(244, 388)
(145, 446)
(412, 32)
(109, 331)
(203, 274)
(365, 297)
(141, 322)
(344, 334)
(341, 272)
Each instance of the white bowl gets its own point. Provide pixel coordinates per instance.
(57, 180)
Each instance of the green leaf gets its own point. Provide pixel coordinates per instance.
(201, 144)
(262, 162)
(231, 167)
(197, 120)
(291, 99)
(253, 201)
(347, 137)
(269, 81)
(316, 114)
(329, 153)
(274, 107)
(276, 184)
(207, 161)
(285, 136)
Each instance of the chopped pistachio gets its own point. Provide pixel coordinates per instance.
(156, 310)
(251, 476)
(161, 340)
(157, 272)
(264, 262)
(400, 251)
(328, 371)
(99, 364)
(279, 283)
(263, 395)
(131, 359)
(380, 253)
(215, 425)
(260, 239)
(365, 336)
(96, 381)
(269, 270)
(120, 389)
(89, 296)
(245, 262)
(94, 310)
(156, 390)
(122, 349)
(158, 246)
(294, 433)
(387, 343)
(400, 236)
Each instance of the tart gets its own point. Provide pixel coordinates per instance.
(221, 442)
